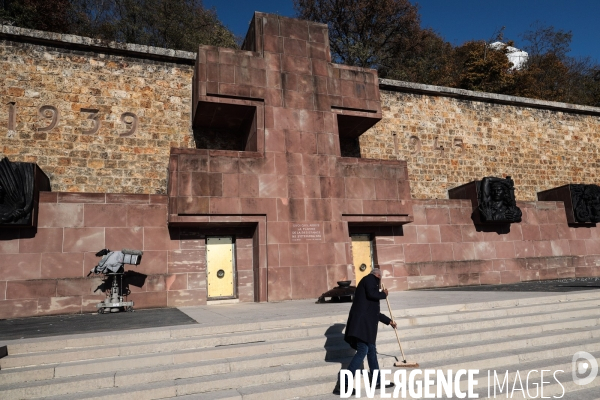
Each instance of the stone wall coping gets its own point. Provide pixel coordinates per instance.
(356, 160)
(216, 153)
(401, 86)
(102, 198)
(458, 203)
(89, 44)
(186, 57)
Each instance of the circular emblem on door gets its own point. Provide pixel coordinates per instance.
(220, 273)
(362, 267)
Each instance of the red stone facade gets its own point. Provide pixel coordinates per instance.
(43, 270)
(283, 112)
(442, 247)
(293, 107)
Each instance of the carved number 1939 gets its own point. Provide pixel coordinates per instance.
(52, 115)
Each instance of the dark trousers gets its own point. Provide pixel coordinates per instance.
(364, 349)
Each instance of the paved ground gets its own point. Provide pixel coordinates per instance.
(560, 285)
(34, 327)
(226, 314)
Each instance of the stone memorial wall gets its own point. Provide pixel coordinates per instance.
(156, 150)
(449, 137)
(114, 112)
(97, 118)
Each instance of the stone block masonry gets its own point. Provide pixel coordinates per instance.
(450, 137)
(106, 122)
(95, 118)
(44, 271)
(442, 247)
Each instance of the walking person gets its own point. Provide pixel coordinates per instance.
(361, 328)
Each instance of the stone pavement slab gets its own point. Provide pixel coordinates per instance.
(56, 325)
(558, 285)
(226, 314)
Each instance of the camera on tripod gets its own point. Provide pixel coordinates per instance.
(112, 266)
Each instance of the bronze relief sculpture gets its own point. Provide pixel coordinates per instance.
(493, 200)
(496, 200)
(16, 192)
(586, 203)
(20, 184)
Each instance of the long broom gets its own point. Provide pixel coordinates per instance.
(403, 363)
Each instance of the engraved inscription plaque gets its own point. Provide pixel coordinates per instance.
(306, 232)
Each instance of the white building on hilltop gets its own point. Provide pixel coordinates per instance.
(515, 56)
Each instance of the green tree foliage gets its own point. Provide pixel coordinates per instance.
(175, 24)
(481, 67)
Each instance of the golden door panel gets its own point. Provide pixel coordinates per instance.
(219, 266)
(362, 256)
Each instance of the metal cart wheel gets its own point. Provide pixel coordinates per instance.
(101, 311)
(129, 309)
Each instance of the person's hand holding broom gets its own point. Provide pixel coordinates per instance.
(385, 291)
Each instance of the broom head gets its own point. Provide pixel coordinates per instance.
(406, 364)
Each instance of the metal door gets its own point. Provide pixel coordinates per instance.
(219, 267)
(362, 255)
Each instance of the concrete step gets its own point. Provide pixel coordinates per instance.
(566, 389)
(239, 381)
(520, 345)
(217, 395)
(513, 346)
(563, 363)
(493, 319)
(321, 388)
(406, 317)
(310, 347)
(291, 362)
(57, 387)
(592, 393)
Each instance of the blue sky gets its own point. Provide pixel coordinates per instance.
(461, 20)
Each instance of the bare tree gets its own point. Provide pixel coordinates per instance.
(550, 73)
(43, 15)
(177, 24)
(365, 33)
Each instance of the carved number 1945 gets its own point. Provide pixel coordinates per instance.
(414, 145)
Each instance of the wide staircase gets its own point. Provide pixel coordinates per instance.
(300, 358)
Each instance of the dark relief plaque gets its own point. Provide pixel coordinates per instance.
(496, 200)
(582, 202)
(493, 200)
(20, 184)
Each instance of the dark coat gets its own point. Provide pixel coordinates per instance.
(364, 314)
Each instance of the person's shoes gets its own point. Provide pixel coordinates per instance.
(389, 385)
(337, 391)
